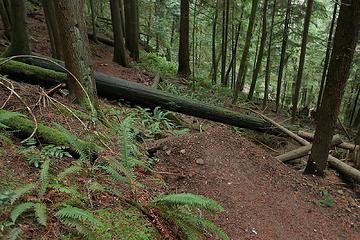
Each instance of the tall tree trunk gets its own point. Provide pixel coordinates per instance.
(237, 36)
(302, 58)
(184, 55)
(194, 45)
(20, 43)
(119, 44)
(214, 64)
(327, 56)
(5, 19)
(132, 28)
(268, 60)
(225, 28)
(283, 53)
(355, 105)
(76, 49)
(244, 58)
(93, 20)
(53, 29)
(261, 51)
(345, 41)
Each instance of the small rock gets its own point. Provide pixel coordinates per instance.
(340, 192)
(200, 161)
(182, 151)
(168, 152)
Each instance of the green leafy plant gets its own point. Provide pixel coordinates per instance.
(178, 209)
(327, 200)
(81, 220)
(7, 115)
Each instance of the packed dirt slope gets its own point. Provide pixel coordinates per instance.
(263, 198)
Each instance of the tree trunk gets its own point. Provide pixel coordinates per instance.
(93, 20)
(327, 56)
(268, 60)
(345, 41)
(53, 29)
(184, 55)
(244, 58)
(237, 36)
(120, 56)
(72, 29)
(214, 60)
(302, 58)
(5, 19)
(283, 53)
(20, 43)
(261, 51)
(225, 29)
(132, 28)
(355, 105)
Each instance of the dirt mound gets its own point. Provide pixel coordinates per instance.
(263, 198)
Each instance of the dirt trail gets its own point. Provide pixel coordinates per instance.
(263, 198)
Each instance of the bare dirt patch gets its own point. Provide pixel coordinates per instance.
(263, 198)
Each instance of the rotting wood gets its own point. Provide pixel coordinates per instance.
(138, 94)
(303, 151)
(156, 82)
(335, 163)
(310, 136)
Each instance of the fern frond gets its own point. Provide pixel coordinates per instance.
(78, 214)
(19, 209)
(40, 212)
(80, 228)
(74, 169)
(18, 193)
(189, 200)
(208, 226)
(44, 178)
(114, 174)
(55, 151)
(68, 190)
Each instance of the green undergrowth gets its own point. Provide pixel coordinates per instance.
(85, 195)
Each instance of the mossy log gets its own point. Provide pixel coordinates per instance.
(45, 134)
(118, 89)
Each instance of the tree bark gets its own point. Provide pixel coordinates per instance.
(120, 55)
(224, 44)
(72, 29)
(214, 60)
(327, 56)
(132, 28)
(184, 55)
(93, 20)
(20, 43)
(345, 41)
(283, 53)
(244, 58)
(261, 51)
(302, 58)
(5, 19)
(53, 29)
(310, 136)
(268, 60)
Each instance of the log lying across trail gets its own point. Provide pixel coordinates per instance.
(335, 163)
(118, 89)
(310, 136)
(303, 151)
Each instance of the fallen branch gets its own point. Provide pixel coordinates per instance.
(344, 145)
(303, 151)
(335, 163)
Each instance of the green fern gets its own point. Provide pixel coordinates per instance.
(20, 209)
(55, 151)
(40, 212)
(77, 214)
(80, 228)
(189, 200)
(73, 169)
(18, 193)
(177, 209)
(44, 178)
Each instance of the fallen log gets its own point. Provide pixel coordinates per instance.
(118, 89)
(344, 145)
(303, 151)
(335, 163)
(45, 134)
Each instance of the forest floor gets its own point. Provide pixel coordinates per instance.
(263, 198)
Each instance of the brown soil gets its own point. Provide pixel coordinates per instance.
(263, 198)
